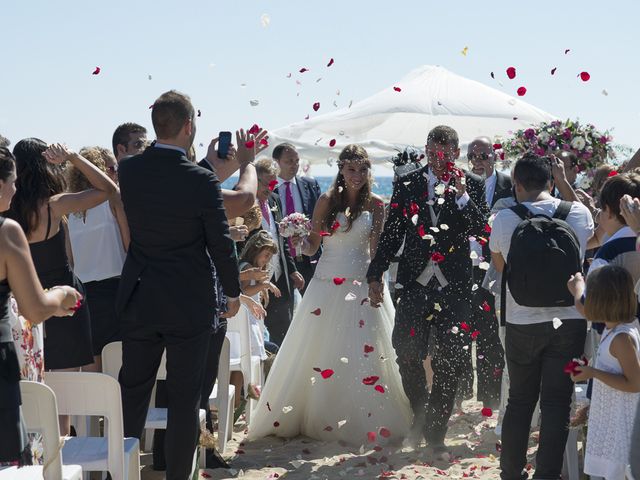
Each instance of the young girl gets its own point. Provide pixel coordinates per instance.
(616, 373)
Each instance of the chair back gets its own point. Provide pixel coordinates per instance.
(112, 359)
(238, 333)
(93, 394)
(40, 412)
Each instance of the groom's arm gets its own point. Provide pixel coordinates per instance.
(476, 211)
(392, 235)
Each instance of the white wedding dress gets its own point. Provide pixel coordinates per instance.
(336, 334)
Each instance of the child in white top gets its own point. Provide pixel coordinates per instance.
(616, 371)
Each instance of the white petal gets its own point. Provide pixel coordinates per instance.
(341, 423)
(344, 360)
(414, 219)
(440, 201)
(454, 330)
(437, 307)
(474, 287)
(484, 266)
(287, 409)
(473, 255)
(350, 297)
(444, 226)
(557, 323)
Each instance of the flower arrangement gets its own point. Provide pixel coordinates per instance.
(296, 224)
(591, 146)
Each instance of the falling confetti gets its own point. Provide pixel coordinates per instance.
(150, 77)
(316, 312)
(341, 423)
(511, 73)
(350, 103)
(350, 297)
(254, 103)
(522, 91)
(584, 76)
(286, 409)
(371, 436)
(493, 76)
(199, 113)
(330, 63)
(397, 89)
(338, 280)
(372, 380)
(250, 144)
(553, 70)
(557, 323)
(265, 20)
(486, 412)
(379, 388)
(327, 373)
(464, 51)
(303, 69)
(316, 106)
(605, 93)
(567, 51)
(344, 360)
(368, 348)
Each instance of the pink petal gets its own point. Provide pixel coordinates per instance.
(372, 380)
(371, 436)
(317, 312)
(385, 432)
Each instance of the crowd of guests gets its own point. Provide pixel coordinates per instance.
(70, 255)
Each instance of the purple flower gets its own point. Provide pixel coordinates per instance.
(553, 144)
(604, 139)
(539, 151)
(529, 133)
(566, 134)
(566, 147)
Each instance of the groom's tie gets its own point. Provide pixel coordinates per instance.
(290, 208)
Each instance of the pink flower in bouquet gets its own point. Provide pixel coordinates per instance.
(539, 151)
(529, 133)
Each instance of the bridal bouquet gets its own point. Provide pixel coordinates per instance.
(591, 146)
(295, 225)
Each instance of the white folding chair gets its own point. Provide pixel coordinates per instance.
(156, 416)
(96, 394)
(223, 397)
(238, 332)
(41, 416)
(571, 459)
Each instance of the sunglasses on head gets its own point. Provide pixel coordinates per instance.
(112, 168)
(478, 156)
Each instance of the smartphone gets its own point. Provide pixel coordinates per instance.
(224, 142)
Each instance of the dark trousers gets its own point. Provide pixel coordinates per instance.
(489, 350)
(142, 349)
(280, 311)
(209, 380)
(536, 356)
(410, 341)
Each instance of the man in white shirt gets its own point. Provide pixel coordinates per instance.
(297, 194)
(539, 340)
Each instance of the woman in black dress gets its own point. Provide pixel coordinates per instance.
(40, 206)
(18, 276)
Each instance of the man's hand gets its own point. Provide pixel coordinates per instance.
(576, 284)
(461, 186)
(298, 280)
(376, 293)
(57, 153)
(257, 274)
(557, 170)
(212, 153)
(238, 233)
(232, 308)
(630, 211)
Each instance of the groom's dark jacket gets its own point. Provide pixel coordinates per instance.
(453, 243)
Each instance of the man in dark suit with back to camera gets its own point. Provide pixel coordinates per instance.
(167, 296)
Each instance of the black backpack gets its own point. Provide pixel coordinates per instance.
(543, 254)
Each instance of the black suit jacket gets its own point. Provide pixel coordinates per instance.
(178, 225)
(503, 188)
(452, 243)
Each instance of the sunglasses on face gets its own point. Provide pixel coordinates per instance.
(478, 157)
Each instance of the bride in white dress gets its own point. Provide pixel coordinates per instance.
(335, 376)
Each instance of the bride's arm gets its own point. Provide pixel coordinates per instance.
(311, 244)
(377, 207)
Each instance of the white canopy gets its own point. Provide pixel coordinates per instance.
(390, 120)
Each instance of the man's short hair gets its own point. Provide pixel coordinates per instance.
(443, 135)
(533, 172)
(615, 188)
(280, 149)
(121, 135)
(4, 141)
(266, 166)
(170, 112)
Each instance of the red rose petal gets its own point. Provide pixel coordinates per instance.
(485, 306)
(303, 69)
(368, 348)
(264, 141)
(335, 225)
(497, 146)
(553, 70)
(361, 322)
(612, 173)
(273, 184)
(421, 232)
(511, 73)
(394, 205)
(465, 326)
(276, 424)
(239, 452)
(339, 280)
(522, 91)
(371, 436)
(332, 143)
(250, 144)
(385, 432)
(397, 89)
(316, 369)
(372, 380)
(306, 451)
(96, 71)
(328, 428)
(475, 334)
(316, 106)
(330, 63)
(317, 312)
(254, 129)
(414, 208)
(498, 447)
(327, 373)
(412, 332)
(437, 257)
(205, 475)
(379, 388)
(584, 76)
(486, 412)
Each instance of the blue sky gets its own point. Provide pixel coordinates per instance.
(209, 48)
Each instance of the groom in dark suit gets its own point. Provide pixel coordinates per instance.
(435, 210)
(297, 194)
(167, 297)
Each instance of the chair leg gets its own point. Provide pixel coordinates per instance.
(148, 440)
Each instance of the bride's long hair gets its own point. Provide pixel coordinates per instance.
(338, 191)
